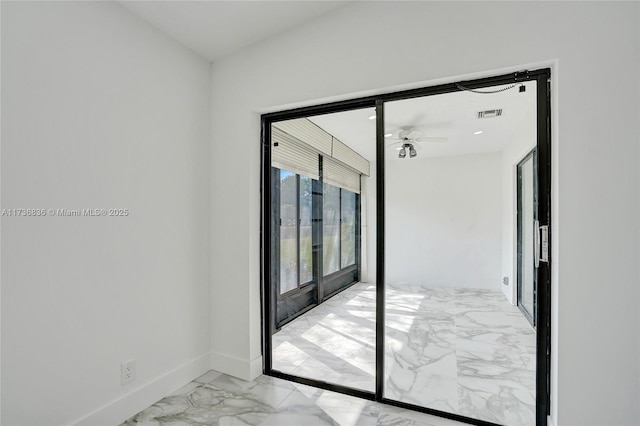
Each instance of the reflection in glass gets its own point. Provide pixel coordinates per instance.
(288, 232)
(526, 212)
(331, 228)
(323, 316)
(306, 244)
(454, 341)
(348, 228)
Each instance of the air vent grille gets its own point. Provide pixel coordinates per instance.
(490, 113)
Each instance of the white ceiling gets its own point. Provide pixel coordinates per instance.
(216, 28)
(451, 115)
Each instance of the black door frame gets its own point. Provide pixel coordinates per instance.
(543, 297)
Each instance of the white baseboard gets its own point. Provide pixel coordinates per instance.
(120, 409)
(256, 368)
(241, 368)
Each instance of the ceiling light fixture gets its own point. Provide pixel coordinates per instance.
(412, 151)
(402, 153)
(372, 117)
(479, 132)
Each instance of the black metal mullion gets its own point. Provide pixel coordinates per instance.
(298, 231)
(267, 305)
(358, 235)
(380, 265)
(320, 231)
(340, 229)
(536, 188)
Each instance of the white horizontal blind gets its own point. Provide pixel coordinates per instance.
(337, 174)
(297, 144)
(307, 132)
(349, 157)
(291, 154)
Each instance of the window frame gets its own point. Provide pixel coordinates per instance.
(299, 283)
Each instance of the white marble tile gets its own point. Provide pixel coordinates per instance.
(394, 416)
(204, 406)
(498, 401)
(262, 390)
(435, 338)
(343, 409)
(298, 409)
(464, 351)
(208, 376)
(333, 342)
(186, 388)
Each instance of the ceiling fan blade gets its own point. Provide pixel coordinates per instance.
(413, 134)
(432, 139)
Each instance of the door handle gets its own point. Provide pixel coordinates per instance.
(540, 243)
(536, 243)
(544, 243)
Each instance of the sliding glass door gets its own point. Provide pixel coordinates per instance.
(454, 342)
(323, 308)
(403, 257)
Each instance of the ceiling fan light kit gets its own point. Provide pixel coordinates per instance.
(409, 138)
(403, 151)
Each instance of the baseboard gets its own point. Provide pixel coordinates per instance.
(256, 368)
(120, 409)
(241, 368)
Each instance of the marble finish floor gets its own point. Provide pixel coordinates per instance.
(219, 399)
(463, 351)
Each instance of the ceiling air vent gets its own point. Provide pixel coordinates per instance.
(490, 113)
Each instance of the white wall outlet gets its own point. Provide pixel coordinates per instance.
(127, 372)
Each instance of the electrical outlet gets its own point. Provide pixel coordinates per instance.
(127, 372)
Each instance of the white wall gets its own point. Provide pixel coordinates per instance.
(593, 47)
(101, 111)
(444, 221)
(521, 144)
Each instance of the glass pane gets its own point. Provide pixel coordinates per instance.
(331, 228)
(288, 232)
(348, 227)
(454, 339)
(527, 272)
(306, 244)
(327, 331)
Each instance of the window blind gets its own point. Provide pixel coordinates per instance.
(348, 156)
(291, 154)
(307, 132)
(337, 174)
(297, 144)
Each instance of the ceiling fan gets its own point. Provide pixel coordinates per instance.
(409, 138)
